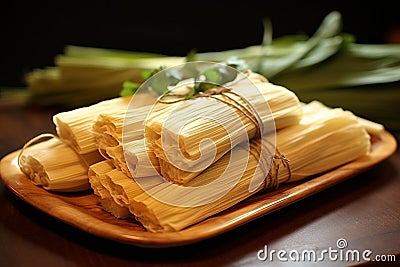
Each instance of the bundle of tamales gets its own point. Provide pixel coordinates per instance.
(175, 132)
(323, 139)
(310, 139)
(285, 110)
(61, 163)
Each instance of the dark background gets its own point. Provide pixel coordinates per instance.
(33, 32)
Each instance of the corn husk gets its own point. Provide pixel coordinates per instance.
(141, 161)
(124, 130)
(122, 188)
(114, 181)
(324, 139)
(55, 166)
(96, 173)
(115, 188)
(75, 126)
(108, 126)
(181, 143)
(116, 210)
(108, 130)
(138, 155)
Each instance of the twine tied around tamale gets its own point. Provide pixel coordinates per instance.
(271, 179)
(246, 109)
(32, 141)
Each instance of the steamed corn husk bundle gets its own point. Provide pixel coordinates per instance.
(122, 188)
(141, 159)
(75, 126)
(115, 188)
(137, 161)
(324, 139)
(227, 122)
(157, 216)
(96, 172)
(126, 126)
(55, 166)
(113, 208)
(108, 129)
(108, 126)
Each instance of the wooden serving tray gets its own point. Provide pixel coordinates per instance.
(82, 210)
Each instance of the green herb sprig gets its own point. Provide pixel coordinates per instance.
(212, 77)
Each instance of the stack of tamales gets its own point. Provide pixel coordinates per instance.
(323, 139)
(310, 139)
(61, 163)
(175, 133)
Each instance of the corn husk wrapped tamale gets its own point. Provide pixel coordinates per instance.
(226, 119)
(141, 161)
(323, 139)
(95, 173)
(122, 188)
(108, 126)
(108, 129)
(138, 154)
(114, 188)
(124, 125)
(55, 166)
(75, 126)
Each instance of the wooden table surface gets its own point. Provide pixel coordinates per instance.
(364, 211)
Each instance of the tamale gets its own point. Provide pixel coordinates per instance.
(116, 210)
(108, 126)
(137, 154)
(122, 188)
(141, 161)
(114, 188)
(75, 126)
(107, 130)
(95, 173)
(114, 181)
(112, 129)
(322, 140)
(190, 135)
(55, 166)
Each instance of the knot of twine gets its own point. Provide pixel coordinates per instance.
(271, 179)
